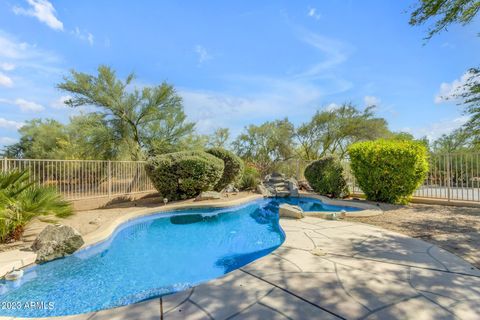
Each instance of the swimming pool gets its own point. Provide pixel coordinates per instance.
(149, 257)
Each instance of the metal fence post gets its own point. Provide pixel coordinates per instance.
(109, 175)
(449, 178)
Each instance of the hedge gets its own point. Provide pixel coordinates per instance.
(389, 170)
(325, 176)
(233, 167)
(183, 175)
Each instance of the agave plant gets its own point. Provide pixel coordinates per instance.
(21, 200)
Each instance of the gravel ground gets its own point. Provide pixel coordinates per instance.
(456, 229)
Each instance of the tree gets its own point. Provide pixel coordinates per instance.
(84, 137)
(266, 145)
(445, 12)
(331, 131)
(148, 119)
(90, 137)
(40, 139)
(458, 140)
(219, 138)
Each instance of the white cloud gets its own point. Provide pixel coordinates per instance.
(28, 106)
(334, 53)
(371, 101)
(448, 91)
(312, 12)
(43, 11)
(7, 66)
(7, 140)
(436, 129)
(10, 124)
(258, 98)
(5, 80)
(332, 107)
(24, 105)
(25, 55)
(272, 100)
(83, 35)
(202, 54)
(60, 102)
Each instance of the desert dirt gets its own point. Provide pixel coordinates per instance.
(455, 229)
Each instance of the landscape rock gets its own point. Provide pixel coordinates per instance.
(293, 187)
(290, 211)
(56, 241)
(264, 191)
(303, 185)
(278, 186)
(209, 195)
(230, 189)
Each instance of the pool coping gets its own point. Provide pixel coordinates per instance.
(20, 259)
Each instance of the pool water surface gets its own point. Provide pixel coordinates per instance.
(149, 257)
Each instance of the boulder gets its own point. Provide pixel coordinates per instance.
(303, 185)
(293, 187)
(264, 191)
(287, 210)
(56, 241)
(209, 195)
(230, 189)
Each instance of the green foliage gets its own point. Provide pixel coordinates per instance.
(219, 138)
(389, 170)
(325, 176)
(183, 175)
(22, 200)
(146, 120)
(250, 178)
(39, 139)
(233, 167)
(444, 12)
(331, 131)
(87, 136)
(456, 141)
(266, 145)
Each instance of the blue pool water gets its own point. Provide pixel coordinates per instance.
(150, 257)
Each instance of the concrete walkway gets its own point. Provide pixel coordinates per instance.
(329, 270)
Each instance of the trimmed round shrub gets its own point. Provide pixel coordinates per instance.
(183, 175)
(233, 167)
(389, 170)
(250, 178)
(325, 176)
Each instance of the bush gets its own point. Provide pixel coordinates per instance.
(250, 178)
(325, 176)
(389, 170)
(233, 167)
(183, 175)
(22, 200)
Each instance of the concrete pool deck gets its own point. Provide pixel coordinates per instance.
(328, 270)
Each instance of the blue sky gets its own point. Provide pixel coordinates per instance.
(237, 63)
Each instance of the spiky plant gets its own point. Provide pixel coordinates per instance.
(21, 200)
